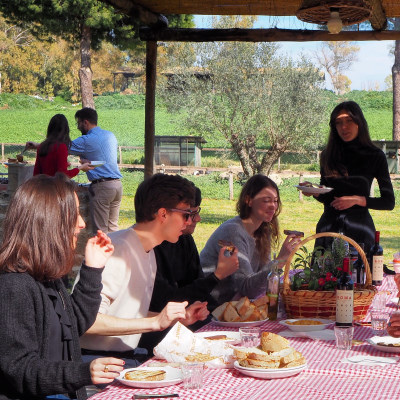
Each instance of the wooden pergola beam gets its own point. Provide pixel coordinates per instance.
(260, 35)
(378, 17)
(139, 12)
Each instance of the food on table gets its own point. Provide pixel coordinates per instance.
(271, 342)
(242, 310)
(141, 375)
(274, 352)
(217, 337)
(304, 322)
(20, 157)
(229, 245)
(200, 357)
(388, 344)
(12, 160)
(290, 232)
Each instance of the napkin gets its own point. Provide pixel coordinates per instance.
(370, 360)
(325, 334)
(182, 345)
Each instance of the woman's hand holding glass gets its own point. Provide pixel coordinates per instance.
(98, 250)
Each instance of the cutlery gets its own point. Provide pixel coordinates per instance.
(371, 360)
(154, 396)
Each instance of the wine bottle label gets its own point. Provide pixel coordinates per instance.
(377, 268)
(344, 306)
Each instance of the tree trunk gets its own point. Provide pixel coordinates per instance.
(85, 71)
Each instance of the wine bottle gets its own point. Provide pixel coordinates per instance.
(358, 268)
(273, 291)
(376, 261)
(344, 296)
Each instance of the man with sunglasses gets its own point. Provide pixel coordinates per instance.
(180, 277)
(163, 211)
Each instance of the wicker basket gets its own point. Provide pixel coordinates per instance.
(322, 304)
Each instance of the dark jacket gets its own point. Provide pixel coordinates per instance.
(25, 372)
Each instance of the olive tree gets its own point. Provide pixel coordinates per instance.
(250, 97)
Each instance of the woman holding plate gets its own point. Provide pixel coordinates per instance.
(349, 164)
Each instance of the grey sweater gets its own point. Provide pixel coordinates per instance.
(251, 278)
(25, 371)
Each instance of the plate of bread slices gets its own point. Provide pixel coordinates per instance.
(388, 344)
(150, 377)
(242, 312)
(311, 188)
(274, 358)
(306, 324)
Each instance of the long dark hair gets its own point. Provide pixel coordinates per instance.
(39, 228)
(57, 132)
(268, 232)
(332, 156)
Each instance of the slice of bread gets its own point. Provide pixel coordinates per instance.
(261, 301)
(283, 356)
(248, 362)
(230, 314)
(295, 363)
(242, 306)
(271, 342)
(263, 311)
(141, 375)
(252, 314)
(241, 352)
(219, 312)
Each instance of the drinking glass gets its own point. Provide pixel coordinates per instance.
(344, 337)
(250, 336)
(379, 320)
(192, 373)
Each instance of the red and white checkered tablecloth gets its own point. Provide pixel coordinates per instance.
(325, 377)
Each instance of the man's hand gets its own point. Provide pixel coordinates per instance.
(393, 327)
(226, 265)
(31, 145)
(195, 312)
(169, 314)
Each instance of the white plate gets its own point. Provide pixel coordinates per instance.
(97, 163)
(239, 324)
(232, 337)
(173, 376)
(273, 373)
(307, 328)
(373, 341)
(313, 190)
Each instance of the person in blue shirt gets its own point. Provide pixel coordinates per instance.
(97, 144)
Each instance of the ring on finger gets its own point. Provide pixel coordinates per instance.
(106, 369)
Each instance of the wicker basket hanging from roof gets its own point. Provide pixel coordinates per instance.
(319, 11)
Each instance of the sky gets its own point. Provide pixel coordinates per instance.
(368, 73)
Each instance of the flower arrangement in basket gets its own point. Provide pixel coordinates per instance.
(312, 293)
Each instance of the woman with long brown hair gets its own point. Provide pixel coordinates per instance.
(255, 232)
(349, 164)
(40, 322)
(52, 153)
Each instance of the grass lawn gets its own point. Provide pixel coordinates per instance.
(295, 214)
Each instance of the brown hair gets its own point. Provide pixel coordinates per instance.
(57, 132)
(39, 228)
(268, 232)
(332, 163)
(88, 114)
(162, 191)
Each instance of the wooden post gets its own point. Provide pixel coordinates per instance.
(149, 130)
(300, 192)
(2, 151)
(120, 154)
(230, 185)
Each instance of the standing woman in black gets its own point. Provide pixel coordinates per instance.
(349, 164)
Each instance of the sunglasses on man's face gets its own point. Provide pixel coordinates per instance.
(186, 213)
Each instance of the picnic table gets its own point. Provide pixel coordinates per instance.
(327, 375)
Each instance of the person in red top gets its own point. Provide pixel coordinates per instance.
(52, 154)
